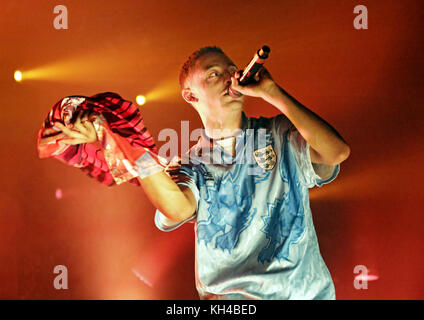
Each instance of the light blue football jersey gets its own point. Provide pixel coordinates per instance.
(255, 237)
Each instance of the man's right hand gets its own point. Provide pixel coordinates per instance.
(82, 131)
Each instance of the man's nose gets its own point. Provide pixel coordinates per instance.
(227, 76)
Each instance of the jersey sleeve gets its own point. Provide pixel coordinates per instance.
(310, 174)
(183, 175)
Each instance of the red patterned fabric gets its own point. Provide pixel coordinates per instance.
(120, 129)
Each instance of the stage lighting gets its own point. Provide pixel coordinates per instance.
(140, 100)
(18, 76)
(59, 194)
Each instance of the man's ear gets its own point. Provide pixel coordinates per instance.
(188, 96)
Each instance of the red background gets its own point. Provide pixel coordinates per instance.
(366, 83)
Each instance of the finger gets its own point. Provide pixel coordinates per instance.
(52, 139)
(91, 132)
(90, 115)
(77, 122)
(85, 120)
(264, 73)
(48, 131)
(77, 119)
(80, 125)
(86, 127)
(85, 115)
(260, 74)
(235, 85)
(72, 141)
(90, 127)
(62, 127)
(69, 132)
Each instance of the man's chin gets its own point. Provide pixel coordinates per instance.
(233, 100)
(234, 104)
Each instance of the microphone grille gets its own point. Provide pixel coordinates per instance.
(263, 52)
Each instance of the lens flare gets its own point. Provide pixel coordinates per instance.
(59, 194)
(140, 100)
(366, 277)
(18, 76)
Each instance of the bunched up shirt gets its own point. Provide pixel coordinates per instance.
(254, 232)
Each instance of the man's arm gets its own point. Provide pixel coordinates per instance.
(326, 145)
(175, 202)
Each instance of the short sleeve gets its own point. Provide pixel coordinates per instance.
(311, 175)
(183, 175)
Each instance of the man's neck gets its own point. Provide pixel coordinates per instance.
(224, 125)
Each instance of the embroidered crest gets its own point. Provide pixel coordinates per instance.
(265, 157)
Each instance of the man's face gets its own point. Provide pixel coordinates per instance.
(210, 80)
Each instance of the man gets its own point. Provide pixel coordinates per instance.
(255, 237)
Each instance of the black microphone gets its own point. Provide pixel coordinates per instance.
(253, 67)
(257, 62)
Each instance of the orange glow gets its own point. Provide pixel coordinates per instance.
(158, 260)
(366, 84)
(366, 181)
(165, 91)
(78, 67)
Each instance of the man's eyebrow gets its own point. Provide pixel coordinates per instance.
(217, 65)
(211, 66)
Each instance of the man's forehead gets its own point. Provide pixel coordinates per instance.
(212, 59)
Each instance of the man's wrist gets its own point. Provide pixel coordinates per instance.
(272, 92)
(147, 165)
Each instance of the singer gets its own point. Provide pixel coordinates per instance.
(254, 232)
(249, 199)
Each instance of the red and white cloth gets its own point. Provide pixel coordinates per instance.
(125, 148)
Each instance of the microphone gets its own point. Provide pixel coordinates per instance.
(252, 68)
(257, 62)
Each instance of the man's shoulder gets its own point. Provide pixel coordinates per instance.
(268, 123)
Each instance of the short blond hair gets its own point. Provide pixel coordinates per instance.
(189, 64)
